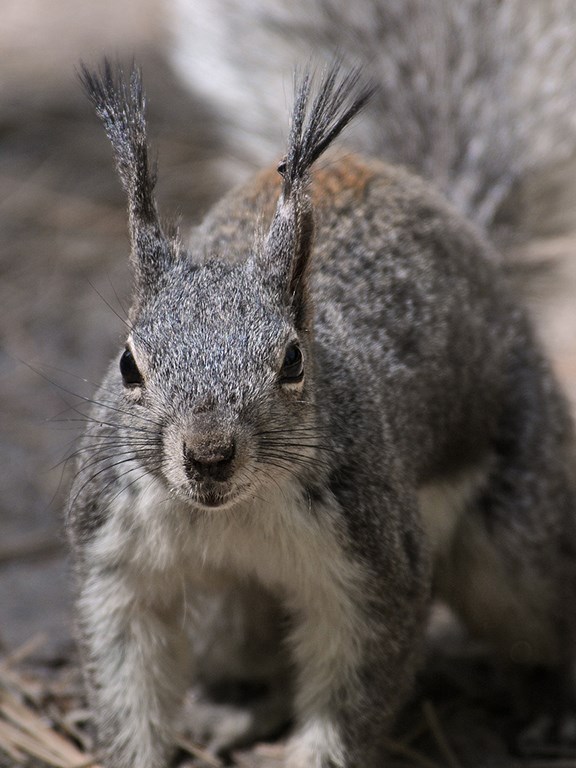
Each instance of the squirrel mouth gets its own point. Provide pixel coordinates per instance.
(212, 501)
(212, 498)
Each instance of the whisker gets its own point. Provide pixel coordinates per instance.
(77, 376)
(140, 453)
(118, 299)
(107, 467)
(289, 430)
(271, 477)
(123, 320)
(289, 457)
(134, 481)
(300, 444)
(133, 448)
(90, 418)
(113, 480)
(91, 401)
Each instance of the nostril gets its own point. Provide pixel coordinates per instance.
(224, 453)
(209, 461)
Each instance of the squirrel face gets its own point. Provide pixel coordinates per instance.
(216, 362)
(216, 371)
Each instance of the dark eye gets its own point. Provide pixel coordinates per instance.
(293, 365)
(131, 376)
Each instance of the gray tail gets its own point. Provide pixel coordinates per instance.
(472, 94)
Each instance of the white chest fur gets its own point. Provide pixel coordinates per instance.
(283, 541)
(286, 544)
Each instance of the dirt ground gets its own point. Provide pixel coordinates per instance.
(63, 276)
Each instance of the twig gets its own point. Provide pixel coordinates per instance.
(436, 727)
(10, 680)
(68, 726)
(25, 731)
(17, 755)
(199, 753)
(24, 651)
(30, 547)
(397, 748)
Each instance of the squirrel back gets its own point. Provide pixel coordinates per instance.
(473, 95)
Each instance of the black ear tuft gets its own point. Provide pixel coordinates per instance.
(323, 106)
(318, 120)
(121, 106)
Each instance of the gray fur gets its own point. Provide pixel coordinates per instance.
(425, 444)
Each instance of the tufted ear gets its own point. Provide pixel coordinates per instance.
(323, 106)
(121, 107)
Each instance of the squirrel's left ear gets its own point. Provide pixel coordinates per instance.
(316, 122)
(121, 107)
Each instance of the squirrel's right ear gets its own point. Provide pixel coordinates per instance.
(121, 107)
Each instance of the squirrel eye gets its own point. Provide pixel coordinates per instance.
(131, 376)
(293, 366)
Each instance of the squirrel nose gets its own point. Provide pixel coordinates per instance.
(209, 461)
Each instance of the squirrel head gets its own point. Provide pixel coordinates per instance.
(216, 378)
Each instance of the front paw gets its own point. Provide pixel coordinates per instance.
(317, 744)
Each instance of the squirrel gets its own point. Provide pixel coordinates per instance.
(330, 407)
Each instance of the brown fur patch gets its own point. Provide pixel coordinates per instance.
(343, 177)
(338, 180)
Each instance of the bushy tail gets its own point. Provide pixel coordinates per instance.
(472, 94)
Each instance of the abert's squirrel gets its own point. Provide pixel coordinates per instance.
(329, 402)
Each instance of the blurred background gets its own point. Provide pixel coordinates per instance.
(63, 265)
